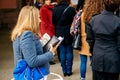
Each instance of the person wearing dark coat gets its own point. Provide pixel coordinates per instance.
(62, 19)
(103, 36)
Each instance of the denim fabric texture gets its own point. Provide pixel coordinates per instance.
(83, 65)
(66, 58)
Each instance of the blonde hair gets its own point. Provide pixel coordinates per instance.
(28, 20)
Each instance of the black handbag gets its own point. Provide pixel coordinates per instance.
(77, 41)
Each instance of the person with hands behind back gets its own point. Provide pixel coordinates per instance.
(26, 43)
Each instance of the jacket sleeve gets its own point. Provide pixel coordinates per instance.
(118, 36)
(90, 35)
(29, 51)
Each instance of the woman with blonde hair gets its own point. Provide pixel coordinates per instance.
(26, 43)
(90, 8)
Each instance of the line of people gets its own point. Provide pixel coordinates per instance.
(99, 36)
(96, 38)
(57, 21)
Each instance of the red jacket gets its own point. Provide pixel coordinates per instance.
(46, 25)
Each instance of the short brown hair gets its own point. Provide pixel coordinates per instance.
(111, 5)
(68, 1)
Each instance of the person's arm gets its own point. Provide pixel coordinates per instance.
(118, 36)
(90, 35)
(28, 48)
(46, 21)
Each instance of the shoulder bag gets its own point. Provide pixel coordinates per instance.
(76, 27)
(23, 71)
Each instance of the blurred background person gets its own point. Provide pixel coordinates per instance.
(38, 4)
(46, 25)
(54, 2)
(62, 18)
(91, 8)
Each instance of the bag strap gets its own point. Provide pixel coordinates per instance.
(65, 10)
(62, 14)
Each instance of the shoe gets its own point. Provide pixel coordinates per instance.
(52, 63)
(69, 74)
(65, 74)
(82, 78)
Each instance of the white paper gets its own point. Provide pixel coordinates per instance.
(45, 39)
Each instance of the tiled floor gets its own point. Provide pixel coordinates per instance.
(6, 61)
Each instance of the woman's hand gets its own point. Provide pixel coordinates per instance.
(53, 49)
(73, 32)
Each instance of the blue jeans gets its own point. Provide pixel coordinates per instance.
(66, 58)
(83, 64)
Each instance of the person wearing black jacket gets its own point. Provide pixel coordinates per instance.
(62, 19)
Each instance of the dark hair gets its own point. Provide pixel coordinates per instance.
(53, 0)
(43, 1)
(59, 1)
(111, 5)
(80, 4)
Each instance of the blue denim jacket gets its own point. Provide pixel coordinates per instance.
(29, 45)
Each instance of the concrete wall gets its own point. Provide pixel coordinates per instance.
(8, 4)
(8, 15)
